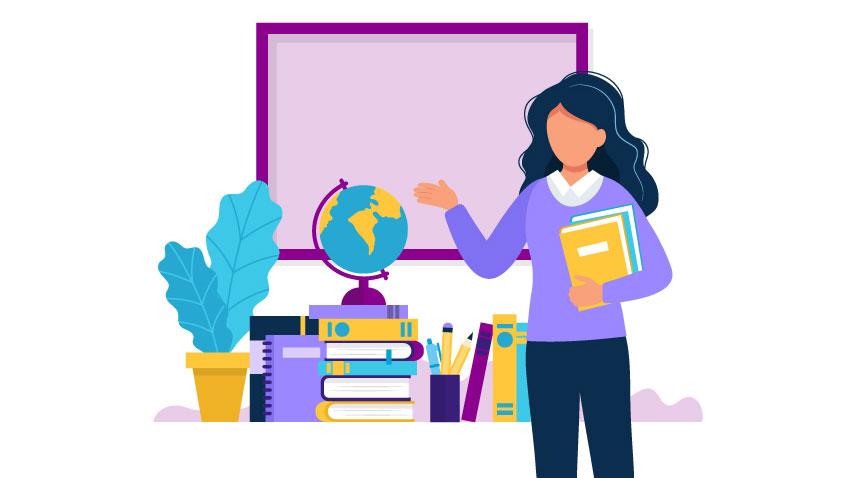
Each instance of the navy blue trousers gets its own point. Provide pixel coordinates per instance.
(596, 372)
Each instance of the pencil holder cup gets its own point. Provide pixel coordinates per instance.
(445, 398)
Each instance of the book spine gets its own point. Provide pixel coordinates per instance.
(322, 411)
(416, 351)
(358, 311)
(262, 326)
(367, 367)
(358, 330)
(256, 359)
(479, 368)
(522, 411)
(267, 380)
(257, 398)
(504, 368)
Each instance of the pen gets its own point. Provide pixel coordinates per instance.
(461, 356)
(433, 357)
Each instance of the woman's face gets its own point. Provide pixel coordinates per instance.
(573, 140)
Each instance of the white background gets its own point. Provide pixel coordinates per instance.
(124, 123)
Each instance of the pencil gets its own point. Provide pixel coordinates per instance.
(457, 364)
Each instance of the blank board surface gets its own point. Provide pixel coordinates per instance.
(394, 109)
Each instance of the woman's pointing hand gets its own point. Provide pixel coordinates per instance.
(440, 195)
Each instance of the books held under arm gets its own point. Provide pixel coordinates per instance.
(598, 249)
(628, 212)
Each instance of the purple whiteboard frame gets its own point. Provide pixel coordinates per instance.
(266, 29)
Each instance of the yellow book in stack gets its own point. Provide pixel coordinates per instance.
(371, 330)
(598, 249)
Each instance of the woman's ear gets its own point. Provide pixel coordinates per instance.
(600, 137)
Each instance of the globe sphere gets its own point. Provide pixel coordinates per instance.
(363, 229)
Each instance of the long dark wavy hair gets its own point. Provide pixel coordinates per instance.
(594, 98)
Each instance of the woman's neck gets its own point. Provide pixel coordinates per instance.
(572, 175)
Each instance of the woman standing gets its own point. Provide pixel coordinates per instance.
(581, 159)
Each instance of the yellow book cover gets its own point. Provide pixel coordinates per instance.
(370, 330)
(504, 367)
(365, 411)
(597, 249)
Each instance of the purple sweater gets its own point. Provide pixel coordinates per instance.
(536, 217)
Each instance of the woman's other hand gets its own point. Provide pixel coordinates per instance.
(587, 294)
(440, 195)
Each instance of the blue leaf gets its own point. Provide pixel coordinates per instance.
(242, 252)
(193, 291)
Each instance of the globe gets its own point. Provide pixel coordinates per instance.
(363, 229)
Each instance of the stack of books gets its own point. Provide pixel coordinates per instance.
(370, 353)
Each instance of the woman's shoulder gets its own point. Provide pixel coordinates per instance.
(615, 191)
(532, 187)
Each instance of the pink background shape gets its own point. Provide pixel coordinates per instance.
(648, 407)
(395, 110)
(182, 414)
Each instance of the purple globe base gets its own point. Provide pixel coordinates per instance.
(363, 295)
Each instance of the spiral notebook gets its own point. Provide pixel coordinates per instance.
(267, 380)
(292, 385)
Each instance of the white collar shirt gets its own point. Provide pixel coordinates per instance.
(579, 193)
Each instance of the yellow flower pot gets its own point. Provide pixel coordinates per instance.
(219, 381)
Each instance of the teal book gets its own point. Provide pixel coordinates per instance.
(628, 212)
(522, 412)
(368, 367)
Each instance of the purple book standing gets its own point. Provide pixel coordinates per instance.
(476, 377)
(291, 382)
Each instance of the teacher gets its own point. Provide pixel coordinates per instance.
(581, 159)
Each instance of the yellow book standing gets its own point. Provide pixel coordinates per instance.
(597, 249)
(504, 368)
(368, 330)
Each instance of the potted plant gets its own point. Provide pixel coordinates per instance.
(215, 302)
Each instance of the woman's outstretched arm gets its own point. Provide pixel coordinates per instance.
(487, 257)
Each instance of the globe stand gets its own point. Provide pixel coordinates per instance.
(362, 294)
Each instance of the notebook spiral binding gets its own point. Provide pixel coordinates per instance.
(267, 375)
